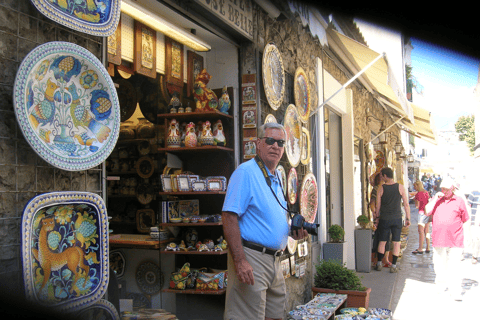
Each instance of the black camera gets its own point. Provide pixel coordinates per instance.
(298, 222)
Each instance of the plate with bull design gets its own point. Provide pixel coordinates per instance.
(66, 106)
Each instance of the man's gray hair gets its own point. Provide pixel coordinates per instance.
(270, 125)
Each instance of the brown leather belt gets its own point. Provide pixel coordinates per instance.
(262, 249)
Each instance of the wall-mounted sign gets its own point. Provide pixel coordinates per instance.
(237, 14)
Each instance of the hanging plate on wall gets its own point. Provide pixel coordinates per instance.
(293, 127)
(98, 18)
(292, 183)
(270, 118)
(283, 178)
(273, 75)
(67, 106)
(149, 278)
(305, 158)
(302, 94)
(65, 250)
(309, 198)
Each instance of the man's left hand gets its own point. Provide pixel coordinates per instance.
(299, 234)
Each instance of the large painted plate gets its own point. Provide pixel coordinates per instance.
(65, 249)
(283, 178)
(293, 127)
(149, 278)
(103, 309)
(273, 75)
(292, 182)
(95, 17)
(309, 198)
(305, 158)
(67, 106)
(302, 94)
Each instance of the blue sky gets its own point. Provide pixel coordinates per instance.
(448, 79)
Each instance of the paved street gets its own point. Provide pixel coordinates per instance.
(414, 294)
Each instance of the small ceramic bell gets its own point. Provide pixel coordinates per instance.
(173, 140)
(191, 137)
(224, 102)
(174, 103)
(218, 135)
(206, 138)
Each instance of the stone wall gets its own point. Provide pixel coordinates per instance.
(22, 173)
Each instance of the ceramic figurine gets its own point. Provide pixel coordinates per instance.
(191, 137)
(173, 140)
(205, 98)
(172, 246)
(182, 246)
(174, 103)
(209, 243)
(203, 247)
(218, 136)
(206, 138)
(188, 108)
(191, 237)
(224, 102)
(183, 130)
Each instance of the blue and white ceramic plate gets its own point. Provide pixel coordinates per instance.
(95, 17)
(66, 106)
(380, 311)
(65, 249)
(103, 309)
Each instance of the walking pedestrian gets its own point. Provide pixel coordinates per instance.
(421, 200)
(377, 181)
(388, 208)
(449, 213)
(256, 228)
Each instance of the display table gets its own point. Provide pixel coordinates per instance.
(322, 306)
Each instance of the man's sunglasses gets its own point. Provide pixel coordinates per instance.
(271, 141)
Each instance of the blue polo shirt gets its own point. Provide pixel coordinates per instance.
(261, 219)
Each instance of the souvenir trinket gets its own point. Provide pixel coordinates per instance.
(206, 138)
(224, 102)
(172, 246)
(191, 237)
(191, 137)
(218, 135)
(205, 98)
(173, 140)
(174, 103)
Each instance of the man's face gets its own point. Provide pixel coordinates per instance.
(271, 154)
(448, 192)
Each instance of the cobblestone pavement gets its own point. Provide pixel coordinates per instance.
(415, 295)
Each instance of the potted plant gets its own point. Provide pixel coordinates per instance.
(336, 247)
(333, 277)
(363, 244)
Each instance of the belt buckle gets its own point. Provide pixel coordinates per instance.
(278, 253)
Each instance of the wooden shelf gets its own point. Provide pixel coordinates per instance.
(195, 115)
(194, 252)
(193, 291)
(196, 149)
(191, 224)
(191, 193)
(138, 241)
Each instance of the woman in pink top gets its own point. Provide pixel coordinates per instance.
(449, 213)
(421, 200)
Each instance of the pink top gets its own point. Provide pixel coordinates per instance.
(447, 225)
(422, 198)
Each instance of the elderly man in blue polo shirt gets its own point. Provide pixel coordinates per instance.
(255, 224)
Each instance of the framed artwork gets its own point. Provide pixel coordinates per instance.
(166, 182)
(292, 265)
(145, 61)
(194, 67)
(183, 182)
(199, 185)
(114, 47)
(174, 62)
(145, 220)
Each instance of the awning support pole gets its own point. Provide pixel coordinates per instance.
(385, 129)
(351, 80)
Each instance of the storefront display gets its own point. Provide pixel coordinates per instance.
(67, 106)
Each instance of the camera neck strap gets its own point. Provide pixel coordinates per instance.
(264, 169)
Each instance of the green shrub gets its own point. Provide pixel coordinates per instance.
(362, 220)
(331, 274)
(336, 233)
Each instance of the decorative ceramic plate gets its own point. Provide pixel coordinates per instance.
(309, 198)
(273, 76)
(65, 249)
(145, 220)
(302, 94)
(293, 127)
(283, 178)
(98, 18)
(140, 301)
(291, 245)
(292, 184)
(103, 309)
(270, 118)
(67, 106)
(305, 157)
(117, 262)
(145, 167)
(145, 193)
(127, 97)
(149, 278)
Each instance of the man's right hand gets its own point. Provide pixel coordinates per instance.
(244, 272)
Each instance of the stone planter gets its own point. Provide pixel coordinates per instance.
(335, 251)
(363, 250)
(355, 299)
